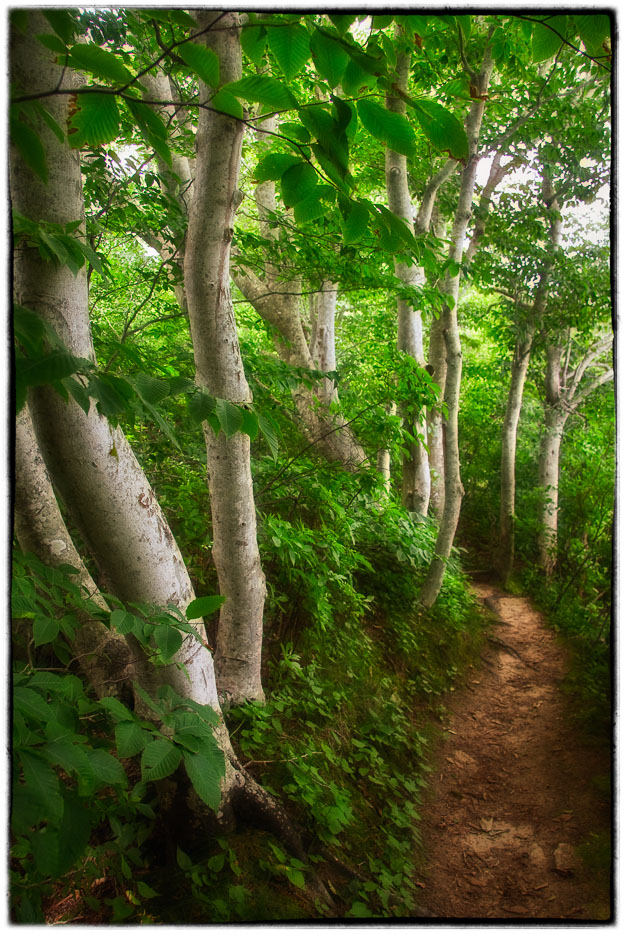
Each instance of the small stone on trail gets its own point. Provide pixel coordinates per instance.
(565, 859)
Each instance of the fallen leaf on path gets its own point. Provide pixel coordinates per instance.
(487, 823)
(565, 859)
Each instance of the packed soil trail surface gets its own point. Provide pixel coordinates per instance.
(514, 793)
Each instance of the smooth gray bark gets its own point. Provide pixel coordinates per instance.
(453, 489)
(219, 367)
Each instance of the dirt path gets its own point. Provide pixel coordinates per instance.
(514, 788)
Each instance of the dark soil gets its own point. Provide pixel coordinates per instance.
(518, 825)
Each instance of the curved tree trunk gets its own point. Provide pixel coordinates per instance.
(219, 368)
(550, 448)
(416, 482)
(453, 489)
(103, 655)
(519, 367)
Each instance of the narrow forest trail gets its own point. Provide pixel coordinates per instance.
(514, 793)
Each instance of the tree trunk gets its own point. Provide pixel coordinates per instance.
(103, 655)
(435, 432)
(219, 367)
(453, 490)
(519, 369)
(549, 486)
(323, 338)
(91, 463)
(416, 482)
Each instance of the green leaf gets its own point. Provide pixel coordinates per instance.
(109, 391)
(184, 862)
(168, 639)
(130, 739)
(151, 390)
(356, 223)
(108, 770)
(204, 606)
(45, 630)
(30, 148)
(268, 430)
(115, 708)
(593, 29)
(391, 128)
(250, 423)
(309, 209)
(45, 849)
(72, 758)
(99, 62)
(253, 41)
(124, 622)
(342, 22)
(160, 758)
(546, 42)
(290, 44)
(230, 417)
(205, 770)
(330, 58)
(226, 103)
(200, 405)
(146, 891)
(178, 384)
(31, 704)
(74, 833)
(442, 128)
(263, 90)
(148, 120)
(95, 121)
(203, 61)
(356, 80)
(62, 23)
(42, 782)
(273, 166)
(297, 183)
(296, 877)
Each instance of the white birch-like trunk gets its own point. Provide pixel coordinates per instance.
(550, 448)
(323, 339)
(416, 481)
(40, 529)
(219, 367)
(91, 464)
(519, 367)
(453, 489)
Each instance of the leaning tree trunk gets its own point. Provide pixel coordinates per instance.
(549, 487)
(435, 428)
(219, 368)
(103, 655)
(453, 489)
(416, 482)
(519, 367)
(91, 464)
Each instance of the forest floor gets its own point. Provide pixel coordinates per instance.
(518, 823)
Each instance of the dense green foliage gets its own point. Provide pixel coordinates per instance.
(355, 671)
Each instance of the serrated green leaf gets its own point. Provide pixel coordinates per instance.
(95, 121)
(44, 630)
(53, 43)
(115, 708)
(308, 209)
(124, 622)
(168, 639)
(160, 758)
(30, 148)
(250, 423)
(71, 758)
(203, 61)
(78, 393)
(99, 62)
(356, 223)
(227, 103)
(150, 389)
(329, 56)
(264, 90)
(31, 704)
(230, 417)
(146, 891)
(200, 405)
(298, 182)
(130, 739)
(356, 80)
(62, 23)
(290, 44)
(391, 128)
(108, 770)
(270, 436)
(42, 782)
(442, 128)
(204, 606)
(150, 122)
(47, 681)
(109, 391)
(178, 384)
(45, 845)
(273, 166)
(546, 42)
(342, 22)
(74, 834)
(206, 772)
(593, 29)
(253, 41)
